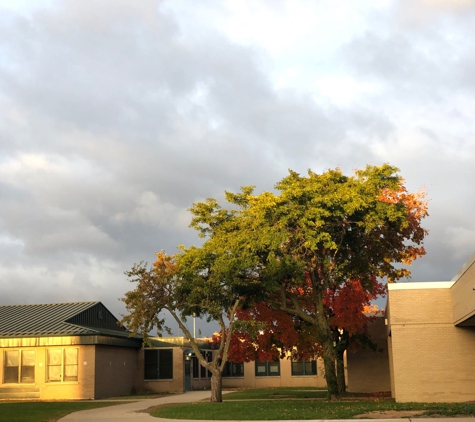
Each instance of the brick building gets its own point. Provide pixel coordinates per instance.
(425, 342)
(431, 339)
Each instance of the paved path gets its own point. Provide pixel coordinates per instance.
(130, 412)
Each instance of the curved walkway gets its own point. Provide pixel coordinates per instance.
(133, 412)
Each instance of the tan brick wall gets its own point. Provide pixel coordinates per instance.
(432, 360)
(286, 379)
(463, 296)
(115, 371)
(420, 306)
(81, 389)
(368, 370)
(391, 366)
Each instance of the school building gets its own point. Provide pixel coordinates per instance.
(425, 351)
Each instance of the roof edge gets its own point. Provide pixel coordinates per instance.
(50, 304)
(421, 285)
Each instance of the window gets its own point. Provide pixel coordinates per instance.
(19, 366)
(196, 367)
(233, 369)
(158, 364)
(208, 357)
(304, 367)
(61, 365)
(267, 369)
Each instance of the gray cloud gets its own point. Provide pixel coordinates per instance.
(116, 119)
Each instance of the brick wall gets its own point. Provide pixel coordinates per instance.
(115, 371)
(432, 360)
(463, 296)
(368, 370)
(83, 388)
(175, 385)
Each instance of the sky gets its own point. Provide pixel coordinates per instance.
(117, 115)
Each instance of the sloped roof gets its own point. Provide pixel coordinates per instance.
(58, 319)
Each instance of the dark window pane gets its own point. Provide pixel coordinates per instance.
(297, 368)
(233, 369)
(150, 364)
(203, 369)
(150, 356)
(166, 357)
(209, 358)
(11, 374)
(239, 369)
(151, 372)
(304, 367)
(311, 367)
(28, 374)
(11, 364)
(165, 364)
(196, 367)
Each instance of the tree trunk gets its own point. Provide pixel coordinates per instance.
(326, 336)
(330, 373)
(340, 372)
(216, 388)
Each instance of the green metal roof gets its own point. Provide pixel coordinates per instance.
(58, 319)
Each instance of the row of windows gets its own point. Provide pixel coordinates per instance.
(272, 369)
(19, 366)
(158, 364)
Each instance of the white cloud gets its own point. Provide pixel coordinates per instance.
(113, 124)
(149, 210)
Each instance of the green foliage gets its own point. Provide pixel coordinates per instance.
(291, 249)
(320, 232)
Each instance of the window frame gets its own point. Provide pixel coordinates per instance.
(64, 365)
(160, 363)
(267, 365)
(204, 373)
(195, 373)
(231, 370)
(20, 367)
(304, 373)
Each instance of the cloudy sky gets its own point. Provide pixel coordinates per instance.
(117, 115)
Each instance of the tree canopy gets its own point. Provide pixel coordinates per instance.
(312, 255)
(187, 284)
(316, 237)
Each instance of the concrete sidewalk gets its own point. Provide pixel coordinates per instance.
(131, 412)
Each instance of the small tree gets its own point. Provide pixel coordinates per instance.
(189, 283)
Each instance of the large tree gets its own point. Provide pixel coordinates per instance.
(317, 235)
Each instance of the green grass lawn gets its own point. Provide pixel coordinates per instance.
(272, 404)
(43, 411)
(277, 393)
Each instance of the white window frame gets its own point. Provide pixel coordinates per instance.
(63, 365)
(20, 366)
